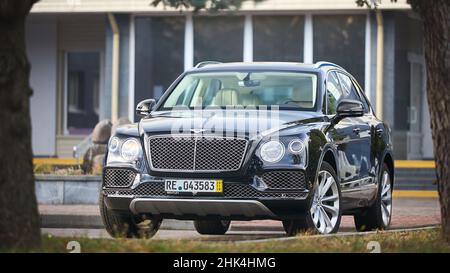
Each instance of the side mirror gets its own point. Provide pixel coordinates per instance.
(145, 107)
(348, 108)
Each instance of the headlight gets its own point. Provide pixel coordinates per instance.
(272, 151)
(113, 145)
(131, 150)
(296, 146)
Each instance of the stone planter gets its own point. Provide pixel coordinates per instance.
(70, 189)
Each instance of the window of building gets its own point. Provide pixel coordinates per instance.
(278, 38)
(83, 77)
(159, 51)
(341, 39)
(218, 38)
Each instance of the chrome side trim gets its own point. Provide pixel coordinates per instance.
(200, 207)
(359, 184)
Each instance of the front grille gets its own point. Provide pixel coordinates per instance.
(156, 189)
(247, 191)
(191, 153)
(118, 178)
(285, 180)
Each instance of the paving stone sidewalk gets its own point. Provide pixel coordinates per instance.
(408, 212)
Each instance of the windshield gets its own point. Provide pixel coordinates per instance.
(290, 90)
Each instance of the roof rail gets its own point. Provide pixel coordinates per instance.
(322, 63)
(205, 63)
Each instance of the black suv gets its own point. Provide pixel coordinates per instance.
(292, 142)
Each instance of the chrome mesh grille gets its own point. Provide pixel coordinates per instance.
(118, 178)
(285, 180)
(156, 189)
(172, 153)
(203, 154)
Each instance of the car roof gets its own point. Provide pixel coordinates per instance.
(283, 66)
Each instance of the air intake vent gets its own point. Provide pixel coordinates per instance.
(118, 178)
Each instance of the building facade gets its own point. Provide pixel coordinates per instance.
(75, 76)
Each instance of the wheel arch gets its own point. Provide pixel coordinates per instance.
(389, 161)
(330, 158)
(329, 155)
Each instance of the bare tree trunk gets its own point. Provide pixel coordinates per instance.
(436, 21)
(19, 219)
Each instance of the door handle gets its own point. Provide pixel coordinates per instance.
(357, 130)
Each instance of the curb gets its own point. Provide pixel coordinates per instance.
(70, 221)
(344, 234)
(95, 222)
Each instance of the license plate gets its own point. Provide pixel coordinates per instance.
(193, 186)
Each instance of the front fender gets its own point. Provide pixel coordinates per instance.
(318, 147)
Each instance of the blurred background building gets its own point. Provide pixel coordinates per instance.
(86, 55)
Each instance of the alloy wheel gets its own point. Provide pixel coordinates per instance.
(325, 205)
(386, 199)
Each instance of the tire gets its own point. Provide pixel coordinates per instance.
(294, 227)
(329, 203)
(374, 218)
(126, 225)
(212, 227)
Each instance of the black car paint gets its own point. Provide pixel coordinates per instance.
(358, 145)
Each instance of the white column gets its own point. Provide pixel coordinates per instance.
(248, 38)
(189, 43)
(368, 58)
(308, 40)
(131, 57)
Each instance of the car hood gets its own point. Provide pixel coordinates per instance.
(241, 122)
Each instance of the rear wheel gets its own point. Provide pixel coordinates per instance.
(126, 225)
(212, 227)
(378, 216)
(324, 214)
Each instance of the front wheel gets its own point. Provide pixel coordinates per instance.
(378, 216)
(126, 225)
(212, 227)
(324, 213)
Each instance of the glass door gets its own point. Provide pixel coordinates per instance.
(419, 135)
(82, 88)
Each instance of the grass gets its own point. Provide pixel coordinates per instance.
(411, 241)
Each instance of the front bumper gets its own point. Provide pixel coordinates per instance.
(200, 207)
(146, 195)
(208, 207)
